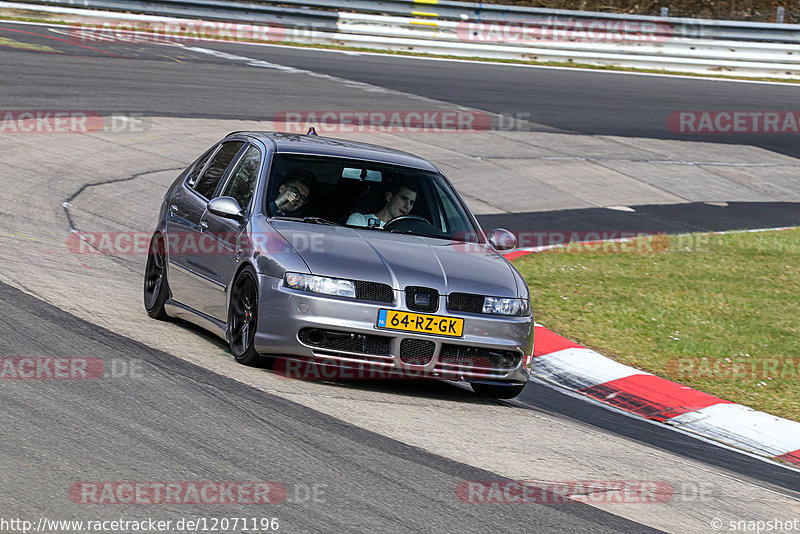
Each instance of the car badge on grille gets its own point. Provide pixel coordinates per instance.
(422, 299)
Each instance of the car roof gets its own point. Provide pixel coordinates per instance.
(329, 146)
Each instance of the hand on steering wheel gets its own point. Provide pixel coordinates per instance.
(405, 218)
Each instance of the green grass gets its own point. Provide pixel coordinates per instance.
(722, 297)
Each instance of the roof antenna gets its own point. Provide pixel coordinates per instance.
(311, 131)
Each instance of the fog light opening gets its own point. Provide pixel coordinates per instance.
(316, 337)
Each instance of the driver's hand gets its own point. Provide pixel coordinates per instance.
(286, 197)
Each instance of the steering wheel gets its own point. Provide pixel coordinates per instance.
(405, 218)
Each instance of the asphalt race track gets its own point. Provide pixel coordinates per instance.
(565, 100)
(380, 456)
(201, 426)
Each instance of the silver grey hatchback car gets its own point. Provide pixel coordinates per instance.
(354, 258)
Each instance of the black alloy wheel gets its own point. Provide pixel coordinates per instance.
(243, 318)
(156, 288)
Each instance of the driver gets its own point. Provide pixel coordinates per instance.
(399, 201)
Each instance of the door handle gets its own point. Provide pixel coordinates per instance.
(203, 225)
(173, 208)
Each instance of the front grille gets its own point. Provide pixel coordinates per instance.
(478, 357)
(416, 298)
(338, 340)
(416, 351)
(374, 291)
(465, 302)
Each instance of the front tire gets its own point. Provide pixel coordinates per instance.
(243, 318)
(156, 288)
(496, 391)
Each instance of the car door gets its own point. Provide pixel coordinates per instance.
(189, 279)
(223, 235)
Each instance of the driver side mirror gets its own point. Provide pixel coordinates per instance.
(226, 207)
(502, 239)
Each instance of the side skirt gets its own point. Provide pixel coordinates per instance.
(180, 311)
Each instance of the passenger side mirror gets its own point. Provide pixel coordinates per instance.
(502, 239)
(226, 207)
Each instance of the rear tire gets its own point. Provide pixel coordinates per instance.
(243, 318)
(496, 391)
(156, 288)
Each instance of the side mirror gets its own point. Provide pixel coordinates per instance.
(502, 239)
(226, 207)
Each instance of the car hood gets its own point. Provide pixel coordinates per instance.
(400, 260)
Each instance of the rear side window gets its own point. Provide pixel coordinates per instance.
(207, 183)
(199, 165)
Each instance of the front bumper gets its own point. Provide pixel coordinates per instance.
(342, 332)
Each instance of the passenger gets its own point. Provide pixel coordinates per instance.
(400, 201)
(293, 192)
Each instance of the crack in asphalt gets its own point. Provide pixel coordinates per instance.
(71, 223)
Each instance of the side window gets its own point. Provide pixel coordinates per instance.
(194, 174)
(207, 183)
(242, 181)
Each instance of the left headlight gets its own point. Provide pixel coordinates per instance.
(320, 284)
(506, 306)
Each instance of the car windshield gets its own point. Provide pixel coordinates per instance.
(366, 194)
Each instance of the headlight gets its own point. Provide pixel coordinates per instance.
(320, 284)
(506, 306)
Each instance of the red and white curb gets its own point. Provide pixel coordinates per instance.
(571, 366)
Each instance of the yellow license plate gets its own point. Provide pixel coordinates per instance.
(420, 322)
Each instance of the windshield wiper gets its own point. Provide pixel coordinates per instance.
(320, 220)
(420, 234)
(311, 220)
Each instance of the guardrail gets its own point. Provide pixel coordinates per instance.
(494, 31)
(482, 12)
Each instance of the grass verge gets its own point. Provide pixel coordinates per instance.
(718, 313)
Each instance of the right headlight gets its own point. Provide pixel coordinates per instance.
(506, 306)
